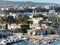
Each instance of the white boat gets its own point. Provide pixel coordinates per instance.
(24, 38)
(12, 39)
(2, 42)
(45, 41)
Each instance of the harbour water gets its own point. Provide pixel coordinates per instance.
(29, 43)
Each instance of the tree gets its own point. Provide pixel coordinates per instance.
(2, 19)
(29, 22)
(10, 19)
(23, 19)
(24, 28)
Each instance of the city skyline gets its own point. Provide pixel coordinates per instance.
(39, 1)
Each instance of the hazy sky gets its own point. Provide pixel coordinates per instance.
(44, 1)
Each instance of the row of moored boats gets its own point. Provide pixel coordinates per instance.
(12, 39)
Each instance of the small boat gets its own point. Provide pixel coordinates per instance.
(45, 41)
(13, 40)
(2, 42)
(24, 38)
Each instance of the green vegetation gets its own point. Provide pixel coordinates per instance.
(18, 19)
(24, 28)
(23, 19)
(2, 19)
(10, 19)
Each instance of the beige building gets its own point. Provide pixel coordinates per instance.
(44, 30)
(35, 23)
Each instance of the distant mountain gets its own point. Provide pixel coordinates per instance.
(10, 3)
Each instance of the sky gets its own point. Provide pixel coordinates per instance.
(39, 1)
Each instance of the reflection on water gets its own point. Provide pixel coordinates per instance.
(22, 43)
(29, 43)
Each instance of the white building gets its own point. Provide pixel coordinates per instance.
(35, 23)
(46, 29)
(13, 26)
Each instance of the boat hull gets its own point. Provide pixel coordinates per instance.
(14, 42)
